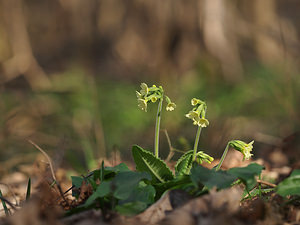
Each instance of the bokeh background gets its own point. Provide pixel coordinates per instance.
(69, 70)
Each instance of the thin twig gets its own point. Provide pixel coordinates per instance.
(266, 183)
(177, 150)
(172, 149)
(51, 168)
(47, 157)
(171, 153)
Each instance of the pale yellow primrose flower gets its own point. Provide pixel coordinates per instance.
(142, 104)
(195, 101)
(203, 122)
(247, 150)
(153, 98)
(138, 95)
(195, 116)
(192, 115)
(144, 89)
(171, 106)
(243, 147)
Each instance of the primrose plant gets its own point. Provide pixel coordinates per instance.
(131, 192)
(154, 94)
(198, 116)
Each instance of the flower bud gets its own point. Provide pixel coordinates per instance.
(242, 147)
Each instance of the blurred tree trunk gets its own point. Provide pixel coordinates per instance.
(22, 61)
(219, 37)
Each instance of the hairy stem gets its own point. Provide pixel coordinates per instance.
(196, 142)
(157, 126)
(223, 157)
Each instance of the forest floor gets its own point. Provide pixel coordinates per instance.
(47, 206)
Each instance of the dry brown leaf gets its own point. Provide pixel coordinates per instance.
(215, 208)
(153, 214)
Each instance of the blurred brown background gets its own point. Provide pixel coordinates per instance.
(69, 70)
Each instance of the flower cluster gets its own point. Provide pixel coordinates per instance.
(197, 114)
(203, 157)
(243, 147)
(152, 94)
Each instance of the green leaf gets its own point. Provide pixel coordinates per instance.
(92, 182)
(146, 162)
(142, 193)
(184, 163)
(211, 178)
(102, 190)
(247, 174)
(180, 182)
(290, 185)
(125, 183)
(77, 181)
(97, 175)
(28, 189)
(122, 167)
(131, 208)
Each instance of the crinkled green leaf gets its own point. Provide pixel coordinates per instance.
(247, 174)
(146, 162)
(142, 193)
(184, 163)
(290, 185)
(126, 182)
(211, 178)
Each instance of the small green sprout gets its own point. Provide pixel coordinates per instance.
(197, 114)
(240, 146)
(154, 94)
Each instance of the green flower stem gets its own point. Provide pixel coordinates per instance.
(223, 157)
(157, 126)
(196, 142)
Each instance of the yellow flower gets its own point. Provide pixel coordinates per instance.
(242, 147)
(247, 150)
(202, 122)
(138, 95)
(171, 106)
(142, 104)
(144, 89)
(153, 98)
(192, 115)
(195, 101)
